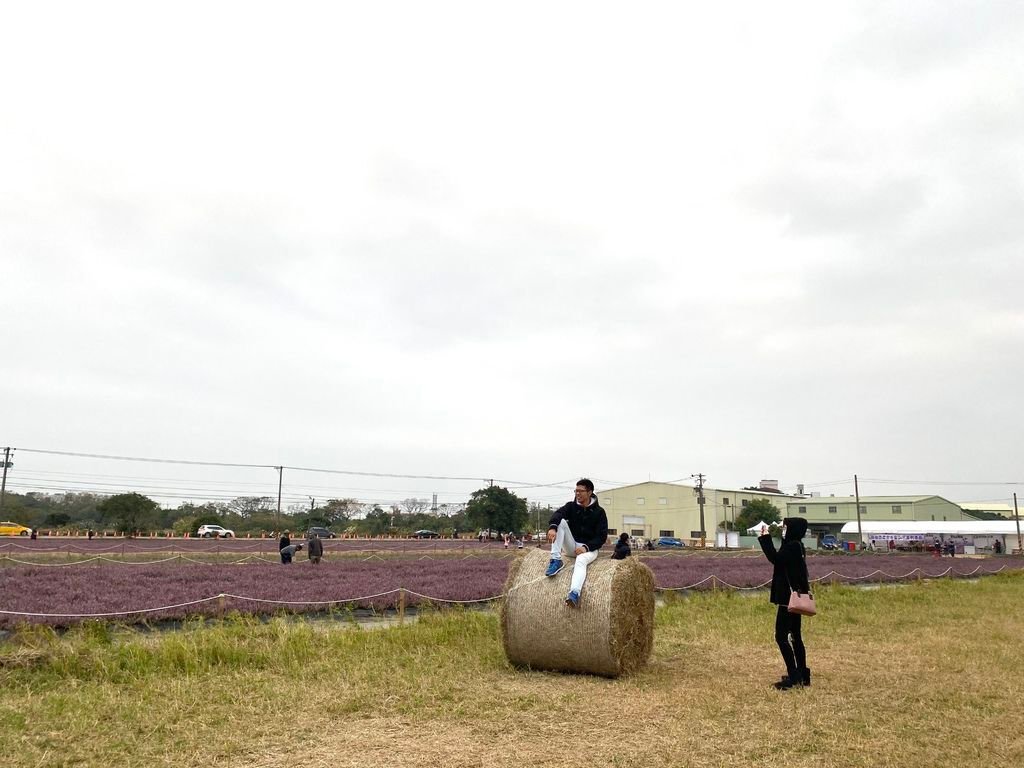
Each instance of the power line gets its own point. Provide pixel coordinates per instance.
(150, 460)
(944, 482)
(519, 483)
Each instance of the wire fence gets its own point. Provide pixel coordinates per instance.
(712, 581)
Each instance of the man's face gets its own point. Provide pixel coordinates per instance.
(582, 496)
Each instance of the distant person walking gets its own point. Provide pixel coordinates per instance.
(315, 549)
(286, 539)
(789, 572)
(622, 550)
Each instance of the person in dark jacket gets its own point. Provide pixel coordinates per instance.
(286, 539)
(622, 550)
(789, 573)
(288, 552)
(580, 528)
(315, 548)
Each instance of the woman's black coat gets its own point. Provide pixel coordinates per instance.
(789, 561)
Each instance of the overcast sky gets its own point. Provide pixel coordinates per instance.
(528, 242)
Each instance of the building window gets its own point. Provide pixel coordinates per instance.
(832, 510)
(612, 532)
(863, 509)
(667, 533)
(897, 509)
(641, 500)
(725, 501)
(637, 532)
(802, 510)
(744, 503)
(662, 500)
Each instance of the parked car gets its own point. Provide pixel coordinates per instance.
(668, 541)
(829, 541)
(14, 529)
(209, 531)
(426, 535)
(321, 532)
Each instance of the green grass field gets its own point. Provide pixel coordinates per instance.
(928, 674)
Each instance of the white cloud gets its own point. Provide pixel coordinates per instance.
(548, 241)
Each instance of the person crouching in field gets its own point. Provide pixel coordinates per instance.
(580, 528)
(622, 550)
(287, 552)
(315, 548)
(789, 573)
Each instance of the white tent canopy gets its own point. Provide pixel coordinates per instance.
(933, 527)
(756, 527)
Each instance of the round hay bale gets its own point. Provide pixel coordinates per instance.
(611, 633)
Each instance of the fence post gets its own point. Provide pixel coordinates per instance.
(401, 606)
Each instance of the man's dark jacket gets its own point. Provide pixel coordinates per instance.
(588, 525)
(790, 565)
(315, 548)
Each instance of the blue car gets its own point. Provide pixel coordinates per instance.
(668, 541)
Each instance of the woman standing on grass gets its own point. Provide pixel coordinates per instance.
(789, 573)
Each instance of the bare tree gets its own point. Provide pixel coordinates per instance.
(247, 506)
(415, 506)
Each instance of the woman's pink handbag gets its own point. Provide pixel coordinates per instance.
(802, 603)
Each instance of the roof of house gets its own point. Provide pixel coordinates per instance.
(986, 506)
(870, 499)
(707, 489)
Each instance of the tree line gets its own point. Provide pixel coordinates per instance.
(494, 508)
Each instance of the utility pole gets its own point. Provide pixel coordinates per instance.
(856, 496)
(3, 484)
(1016, 515)
(280, 479)
(700, 503)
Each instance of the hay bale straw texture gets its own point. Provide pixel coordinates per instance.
(610, 634)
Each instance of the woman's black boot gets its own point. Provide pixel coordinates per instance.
(805, 676)
(786, 683)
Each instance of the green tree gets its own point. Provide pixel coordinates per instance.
(127, 512)
(756, 511)
(497, 508)
(539, 516)
(375, 523)
(57, 519)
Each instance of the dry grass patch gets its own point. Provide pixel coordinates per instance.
(926, 674)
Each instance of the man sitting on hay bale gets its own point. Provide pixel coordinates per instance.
(579, 528)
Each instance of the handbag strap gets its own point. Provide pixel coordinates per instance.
(807, 573)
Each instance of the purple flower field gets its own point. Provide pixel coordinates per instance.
(171, 590)
(750, 570)
(114, 588)
(15, 547)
